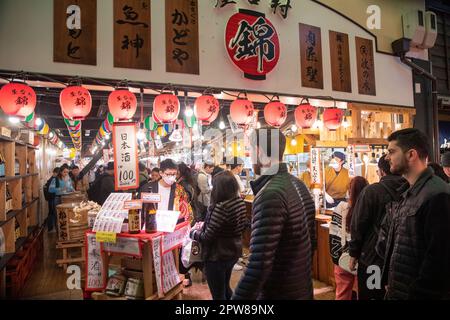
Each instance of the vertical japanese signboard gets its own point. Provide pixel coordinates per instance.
(365, 66)
(351, 160)
(126, 174)
(182, 40)
(311, 56)
(316, 176)
(75, 31)
(132, 34)
(340, 62)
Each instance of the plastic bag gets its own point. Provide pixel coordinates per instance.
(191, 252)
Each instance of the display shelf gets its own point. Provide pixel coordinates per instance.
(18, 142)
(14, 213)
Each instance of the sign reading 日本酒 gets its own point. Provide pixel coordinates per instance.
(182, 38)
(132, 34)
(311, 56)
(252, 43)
(75, 31)
(125, 156)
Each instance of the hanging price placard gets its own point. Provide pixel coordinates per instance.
(125, 156)
(351, 160)
(316, 176)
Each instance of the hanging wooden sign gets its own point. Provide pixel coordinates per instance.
(75, 31)
(182, 40)
(132, 34)
(365, 66)
(315, 166)
(340, 62)
(311, 56)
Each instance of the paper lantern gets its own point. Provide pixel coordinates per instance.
(150, 123)
(122, 104)
(166, 107)
(206, 108)
(39, 126)
(275, 113)
(105, 127)
(36, 140)
(17, 99)
(305, 116)
(332, 118)
(76, 102)
(44, 129)
(241, 111)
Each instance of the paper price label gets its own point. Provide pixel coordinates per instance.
(150, 197)
(109, 237)
(132, 204)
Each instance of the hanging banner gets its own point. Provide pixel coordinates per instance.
(365, 66)
(182, 39)
(125, 156)
(252, 43)
(351, 160)
(75, 31)
(132, 34)
(311, 56)
(316, 165)
(94, 266)
(340, 62)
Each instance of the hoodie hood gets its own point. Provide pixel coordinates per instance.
(394, 183)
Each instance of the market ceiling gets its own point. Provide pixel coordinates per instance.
(48, 88)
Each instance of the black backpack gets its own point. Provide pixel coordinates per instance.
(48, 195)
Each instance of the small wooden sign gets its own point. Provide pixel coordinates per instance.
(132, 34)
(182, 39)
(5, 132)
(340, 62)
(75, 31)
(311, 56)
(365, 66)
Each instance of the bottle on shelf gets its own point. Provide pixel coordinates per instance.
(2, 166)
(16, 167)
(150, 217)
(17, 230)
(134, 219)
(8, 205)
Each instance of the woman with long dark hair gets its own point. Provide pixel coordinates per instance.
(340, 236)
(221, 234)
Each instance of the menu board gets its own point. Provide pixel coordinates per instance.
(111, 216)
(94, 265)
(126, 171)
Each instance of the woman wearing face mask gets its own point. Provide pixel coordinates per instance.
(337, 180)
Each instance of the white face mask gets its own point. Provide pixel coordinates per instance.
(334, 164)
(170, 180)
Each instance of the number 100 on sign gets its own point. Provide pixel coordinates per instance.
(125, 156)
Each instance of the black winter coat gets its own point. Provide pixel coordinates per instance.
(368, 214)
(221, 235)
(417, 255)
(102, 188)
(282, 242)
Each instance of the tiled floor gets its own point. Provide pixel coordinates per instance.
(48, 281)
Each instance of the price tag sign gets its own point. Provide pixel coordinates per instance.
(109, 237)
(166, 220)
(132, 204)
(150, 197)
(126, 172)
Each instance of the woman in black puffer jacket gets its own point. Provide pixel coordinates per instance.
(221, 234)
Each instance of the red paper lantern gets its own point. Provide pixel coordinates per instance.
(155, 118)
(166, 107)
(206, 108)
(332, 118)
(241, 111)
(76, 102)
(275, 113)
(122, 104)
(17, 99)
(305, 116)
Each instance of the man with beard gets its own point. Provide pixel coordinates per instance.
(417, 254)
(283, 232)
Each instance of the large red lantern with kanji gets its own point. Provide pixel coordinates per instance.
(166, 107)
(252, 43)
(305, 116)
(206, 108)
(17, 99)
(241, 111)
(76, 102)
(122, 104)
(275, 113)
(332, 118)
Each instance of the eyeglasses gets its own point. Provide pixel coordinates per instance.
(170, 175)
